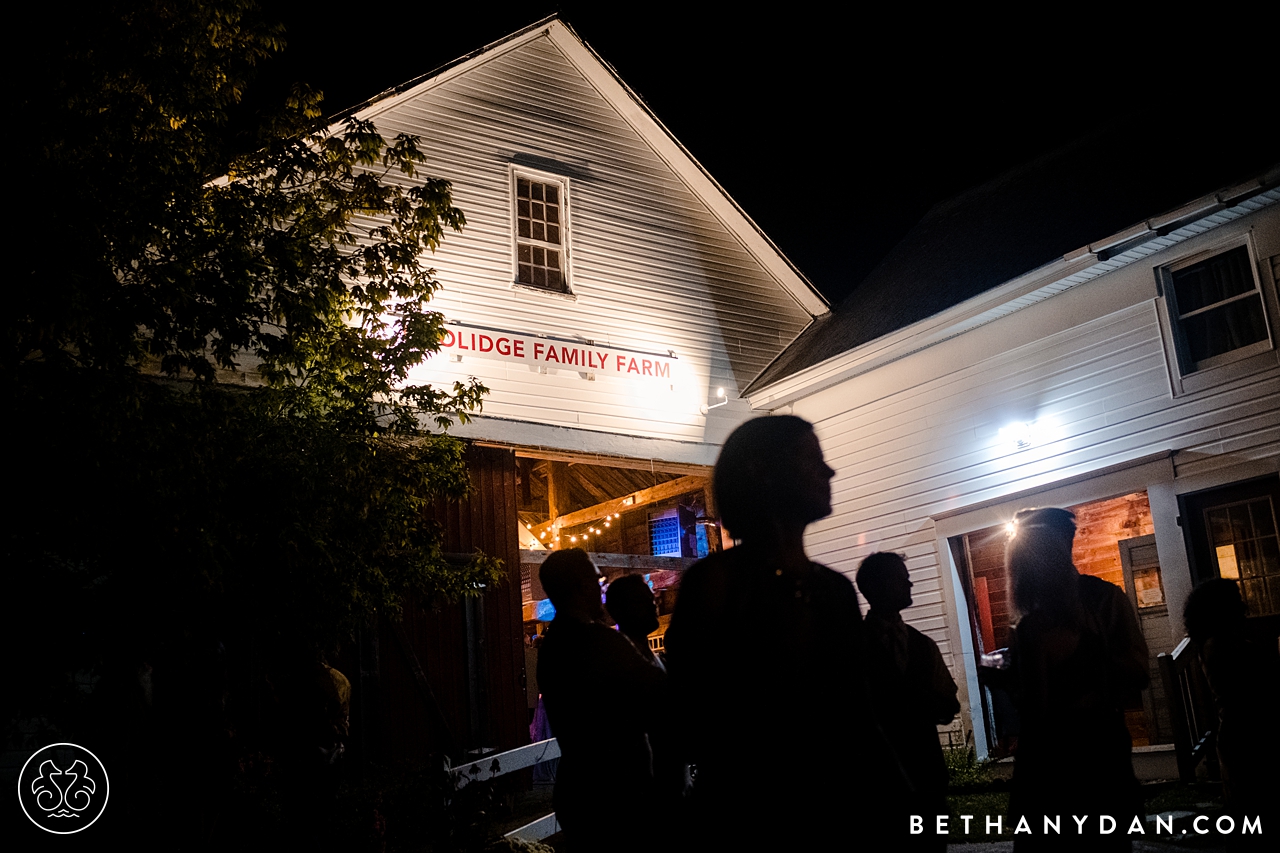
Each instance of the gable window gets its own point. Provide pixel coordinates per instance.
(541, 228)
(1216, 312)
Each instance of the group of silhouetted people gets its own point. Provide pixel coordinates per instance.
(771, 691)
(781, 718)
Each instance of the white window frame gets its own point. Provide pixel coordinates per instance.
(516, 173)
(1218, 369)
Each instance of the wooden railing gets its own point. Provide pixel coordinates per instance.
(502, 763)
(1191, 708)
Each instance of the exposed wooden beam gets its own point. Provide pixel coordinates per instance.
(557, 489)
(602, 459)
(635, 562)
(626, 503)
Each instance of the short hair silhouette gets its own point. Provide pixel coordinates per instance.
(629, 600)
(1051, 517)
(1213, 609)
(562, 571)
(752, 473)
(875, 572)
(1038, 556)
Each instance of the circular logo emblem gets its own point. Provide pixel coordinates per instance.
(63, 788)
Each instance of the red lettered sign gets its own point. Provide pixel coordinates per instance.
(559, 353)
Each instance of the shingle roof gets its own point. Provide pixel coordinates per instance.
(1026, 218)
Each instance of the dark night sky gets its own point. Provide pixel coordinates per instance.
(835, 131)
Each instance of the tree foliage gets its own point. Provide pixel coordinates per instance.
(301, 257)
(183, 242)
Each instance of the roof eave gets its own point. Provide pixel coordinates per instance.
(969, 314)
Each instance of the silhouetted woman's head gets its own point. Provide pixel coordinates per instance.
(1213, 609)
(1038, 557)
(630, 602)
(771, 470)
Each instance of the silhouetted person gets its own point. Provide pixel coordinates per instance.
(912, 690)
(1244, 676)
(1079, 659)
(763, 651)
(598, 692)
(631, 604)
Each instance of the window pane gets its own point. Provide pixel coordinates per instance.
(524, 253)
(1214, 280)
(522, 188)
(522, 208)
(1254, 593)
(553, 212)
(537, 191)
(553, 233)
(1241, 529)
(539, 230)
(1264, 524)
(539, 276)
(553, 258)
(1247, 559)
(553, 278)
(522, 228)
(526, 274)
(1224, 329)
(1220, 526)
(553, 194)
(539, 256)
(1269, 556)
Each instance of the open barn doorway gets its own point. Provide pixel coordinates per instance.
(633, 516)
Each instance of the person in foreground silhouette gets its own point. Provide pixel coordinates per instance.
(1078, 659)
(911, 688)
(763, 651)
(598, 692)
(1244, 675)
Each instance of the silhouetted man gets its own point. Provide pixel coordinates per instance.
(598, 692)
(912, 690)
(763, 651)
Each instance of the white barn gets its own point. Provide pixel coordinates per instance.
(649, 260)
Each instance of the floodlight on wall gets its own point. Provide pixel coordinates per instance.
(1023, 434)
(704, 408)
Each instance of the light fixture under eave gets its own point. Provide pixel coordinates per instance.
(704, 408)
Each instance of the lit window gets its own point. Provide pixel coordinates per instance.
(541, 233)
(1215, 309)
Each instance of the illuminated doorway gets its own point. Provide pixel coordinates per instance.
(1114, 541)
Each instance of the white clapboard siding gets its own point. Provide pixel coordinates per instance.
(920, 436)
(652, 267)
